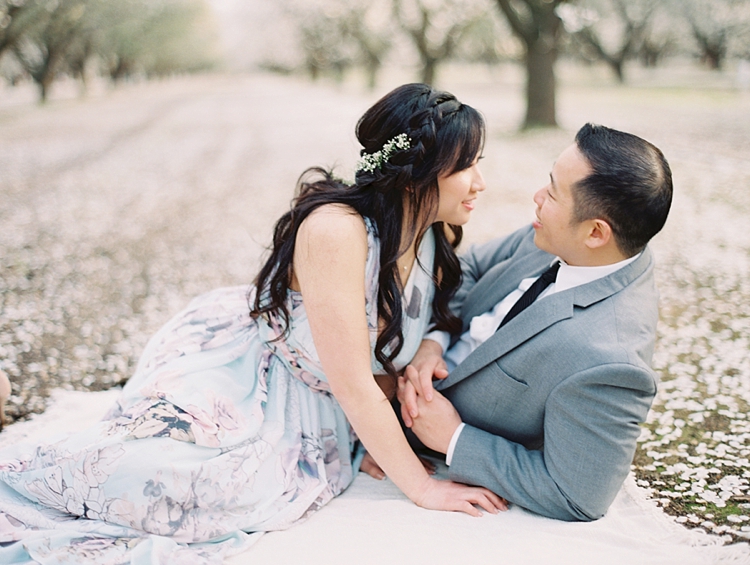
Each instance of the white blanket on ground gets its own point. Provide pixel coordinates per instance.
(373, 523)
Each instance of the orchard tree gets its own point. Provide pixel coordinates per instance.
(437, 27)
(122, 47)
(156, 38)
(369, 26)
(151, 37)
(661, 36)
(711, 33)
(43, 47)
(488, 40)
(16, 17)
(180, 36)
(537, 25)
(325, 46)
(719, 28)
(612, 31)
(335, 35)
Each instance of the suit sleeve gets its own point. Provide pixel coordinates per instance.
(591, 426)
(479, 259)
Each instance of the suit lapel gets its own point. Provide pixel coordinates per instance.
(543, 313)
(500, 281)
(534, 319)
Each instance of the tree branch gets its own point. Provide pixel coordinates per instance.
(524, 31)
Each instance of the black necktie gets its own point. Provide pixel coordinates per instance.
(532, 293)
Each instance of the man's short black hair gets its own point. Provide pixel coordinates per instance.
(630, 186)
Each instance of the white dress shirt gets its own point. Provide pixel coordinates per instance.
(482, 327)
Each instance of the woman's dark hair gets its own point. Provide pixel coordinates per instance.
(445, 137)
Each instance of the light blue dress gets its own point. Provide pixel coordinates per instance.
(222, 430)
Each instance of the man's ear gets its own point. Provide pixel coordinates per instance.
(599, 235)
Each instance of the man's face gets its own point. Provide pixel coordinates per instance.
(556, 231)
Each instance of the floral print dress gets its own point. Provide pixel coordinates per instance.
(222, 431)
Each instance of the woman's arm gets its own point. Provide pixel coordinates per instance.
(329, 266)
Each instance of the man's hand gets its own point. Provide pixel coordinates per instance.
(437, 420)
(427, 364)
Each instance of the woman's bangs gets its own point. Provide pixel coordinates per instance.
(464, 140)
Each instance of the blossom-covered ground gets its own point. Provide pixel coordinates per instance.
(115, 210)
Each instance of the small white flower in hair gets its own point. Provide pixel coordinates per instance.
(371, 161)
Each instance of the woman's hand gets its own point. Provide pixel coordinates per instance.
(447, 495)
(444, 495)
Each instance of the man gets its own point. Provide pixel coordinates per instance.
(542, 403)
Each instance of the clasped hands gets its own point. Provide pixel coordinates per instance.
(428, 413)
(434, 420)
(425, 410)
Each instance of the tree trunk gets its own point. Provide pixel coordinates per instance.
(650, 54)
(429, 66)
(540, 35)
(314, 70)
(119, 71)
(84, 88)
(713, 58)
(44, 76)
(713, 49)
(45, 83)
(617, 67)
(372, 68)
(540, 85)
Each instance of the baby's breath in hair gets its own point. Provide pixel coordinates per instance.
(371, 161)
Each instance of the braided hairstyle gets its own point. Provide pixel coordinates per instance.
(402, 193)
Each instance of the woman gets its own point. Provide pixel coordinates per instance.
(247, 420)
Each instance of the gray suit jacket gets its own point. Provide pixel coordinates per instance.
(553, 400)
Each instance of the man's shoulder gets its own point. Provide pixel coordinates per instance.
(621, 327)
(633, 282)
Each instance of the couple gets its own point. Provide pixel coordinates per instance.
(249, 417)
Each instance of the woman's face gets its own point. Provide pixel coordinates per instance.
(458, 191)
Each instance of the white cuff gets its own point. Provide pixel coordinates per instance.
(452, 444)
(442, 338)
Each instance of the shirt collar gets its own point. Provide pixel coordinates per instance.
(569, 276)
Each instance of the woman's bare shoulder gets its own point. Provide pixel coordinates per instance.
(334, 223)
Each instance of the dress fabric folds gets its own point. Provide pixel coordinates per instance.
(227, 427)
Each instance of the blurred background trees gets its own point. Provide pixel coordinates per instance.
(44, 40)
(608, 30)
(436, 28)
(48, 39)
(719, 28)
(60, 29)
(426, 34)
